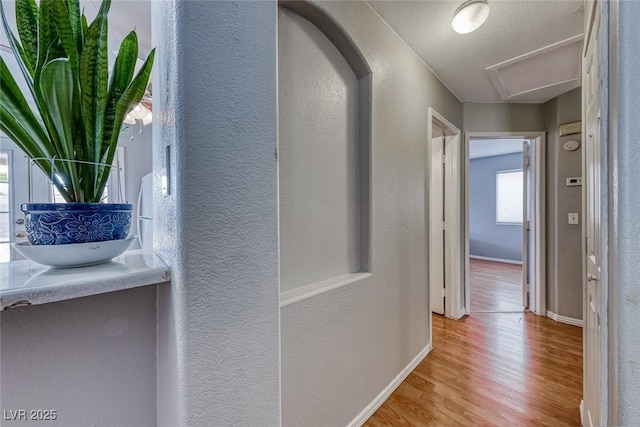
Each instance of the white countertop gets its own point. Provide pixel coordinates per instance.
(25, 283)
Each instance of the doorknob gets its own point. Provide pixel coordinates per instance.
(20, 234)
(591, 278)
(20, 221)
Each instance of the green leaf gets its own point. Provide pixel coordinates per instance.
(132, 96)
(56, 84)
(66, 31)
(27, 22)
(17, 48)
(73, 10)
(94, 81)
(49, 46)
(121, 76)
(15, 104)
(85, 29)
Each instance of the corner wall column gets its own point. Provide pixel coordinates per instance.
(215, 107)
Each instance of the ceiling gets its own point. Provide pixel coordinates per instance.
(526, 51)
(479, 148)
(519, 36)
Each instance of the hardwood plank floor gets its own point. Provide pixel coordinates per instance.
(492, 369)
(495, 286)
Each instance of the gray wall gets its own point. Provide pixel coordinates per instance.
(620, 231)
(486, 238)
(92, 359)
(564, 241)
(504, 117)
(342, 347)
(318, 156)
(215, 105)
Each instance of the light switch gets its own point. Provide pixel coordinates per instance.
(574, 218)
(165, 172)
(575, 181)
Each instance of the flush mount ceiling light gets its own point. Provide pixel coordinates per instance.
(470, 16)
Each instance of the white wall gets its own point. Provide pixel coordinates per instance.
(138, 158)
(215, 105)
(92, 359)
(343, 347)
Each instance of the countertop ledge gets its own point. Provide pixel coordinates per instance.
(24, 283)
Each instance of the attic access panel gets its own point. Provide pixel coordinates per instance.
(541, 74)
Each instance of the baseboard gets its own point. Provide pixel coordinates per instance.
(486, 258)
(564, 319)
(376, 403)
(582, 412)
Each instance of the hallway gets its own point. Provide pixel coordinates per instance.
(495, 369)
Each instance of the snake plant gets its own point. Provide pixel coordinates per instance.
(79, 106)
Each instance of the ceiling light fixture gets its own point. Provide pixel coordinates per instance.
(470, 16)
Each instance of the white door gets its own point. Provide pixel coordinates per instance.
(436, 227)
(526, 221)
(591, 117)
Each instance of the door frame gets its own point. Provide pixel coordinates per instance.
(537, 304)
(453, 219)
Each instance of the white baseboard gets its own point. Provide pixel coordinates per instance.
(376, 403)
(486, 258)
(564, 319)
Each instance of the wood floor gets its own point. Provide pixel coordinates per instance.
(495, 286)
(492, 369)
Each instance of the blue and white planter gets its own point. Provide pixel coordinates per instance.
(68, 223)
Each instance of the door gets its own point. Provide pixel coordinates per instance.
(591, 117)
(436, 227)
(526, 222)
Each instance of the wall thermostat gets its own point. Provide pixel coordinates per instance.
(571, 145)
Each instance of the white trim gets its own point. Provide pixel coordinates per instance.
(377, 402)
(302, 293)
(564, 319)
(454, 271)
(504, 261)
(538, 229)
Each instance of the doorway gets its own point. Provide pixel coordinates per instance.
(504, 222)
(446, 267)
(498, 183)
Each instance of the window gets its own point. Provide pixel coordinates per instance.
(113, 191)
(509, 200)
(5, 207)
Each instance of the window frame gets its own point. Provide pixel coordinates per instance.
(506, 171)
(10, 211)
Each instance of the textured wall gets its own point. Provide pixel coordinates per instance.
(318, 157)
(623, 346)
(91, 359)
(504, 117)
(486, 238)
(215, 104)
(564, 241)
(342, 347)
